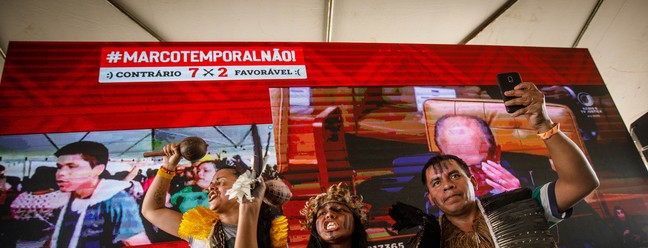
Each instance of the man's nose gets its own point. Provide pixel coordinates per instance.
(60, 171)
(330, 215)
(448, 185)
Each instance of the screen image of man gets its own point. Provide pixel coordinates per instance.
(99, 212)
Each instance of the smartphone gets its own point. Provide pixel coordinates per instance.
(507, 81)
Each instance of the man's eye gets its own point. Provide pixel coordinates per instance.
(435, 183)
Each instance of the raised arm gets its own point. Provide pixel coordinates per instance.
(248, 219)
(136, 166)
(576, 178)
(153, 207)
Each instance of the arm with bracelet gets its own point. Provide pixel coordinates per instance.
(576, 178)
(153, 208)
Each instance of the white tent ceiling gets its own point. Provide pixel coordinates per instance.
(614, 31)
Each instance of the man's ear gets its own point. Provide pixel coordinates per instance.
(98, 169)
(429, 197)
(473, 180)
(497, 154)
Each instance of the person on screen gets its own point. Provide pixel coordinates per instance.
(526, 214)
(470, 138)
(195, 194)
(629, 230)
(4, 185)
(335, 219)
(99, 212)
(9, 190)
(226, 223)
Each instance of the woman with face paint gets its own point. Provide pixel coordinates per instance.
(335, 219)
(226, 223)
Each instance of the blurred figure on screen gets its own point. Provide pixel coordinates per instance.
(8, 191)
(4, 185)
(470, 139)
(99, 212)
(195, 193)
(36, 208)
(627, 229)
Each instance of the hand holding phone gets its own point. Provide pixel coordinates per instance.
(507, 81)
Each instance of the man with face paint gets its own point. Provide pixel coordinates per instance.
(518, 218)
(99, 212)
(335, 219)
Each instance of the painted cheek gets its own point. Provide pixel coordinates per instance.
(319, 227)
(347, 223)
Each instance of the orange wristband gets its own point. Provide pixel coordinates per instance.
(165, 173)
(554, 130)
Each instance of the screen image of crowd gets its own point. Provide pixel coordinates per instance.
(52, 198)
(373, 139)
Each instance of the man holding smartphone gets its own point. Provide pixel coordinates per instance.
(515, 218)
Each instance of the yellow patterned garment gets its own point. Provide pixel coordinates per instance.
(279, 232)
(197, 223)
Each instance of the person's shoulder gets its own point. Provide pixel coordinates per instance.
(119, 193)
(545, 195)
(122, 195)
